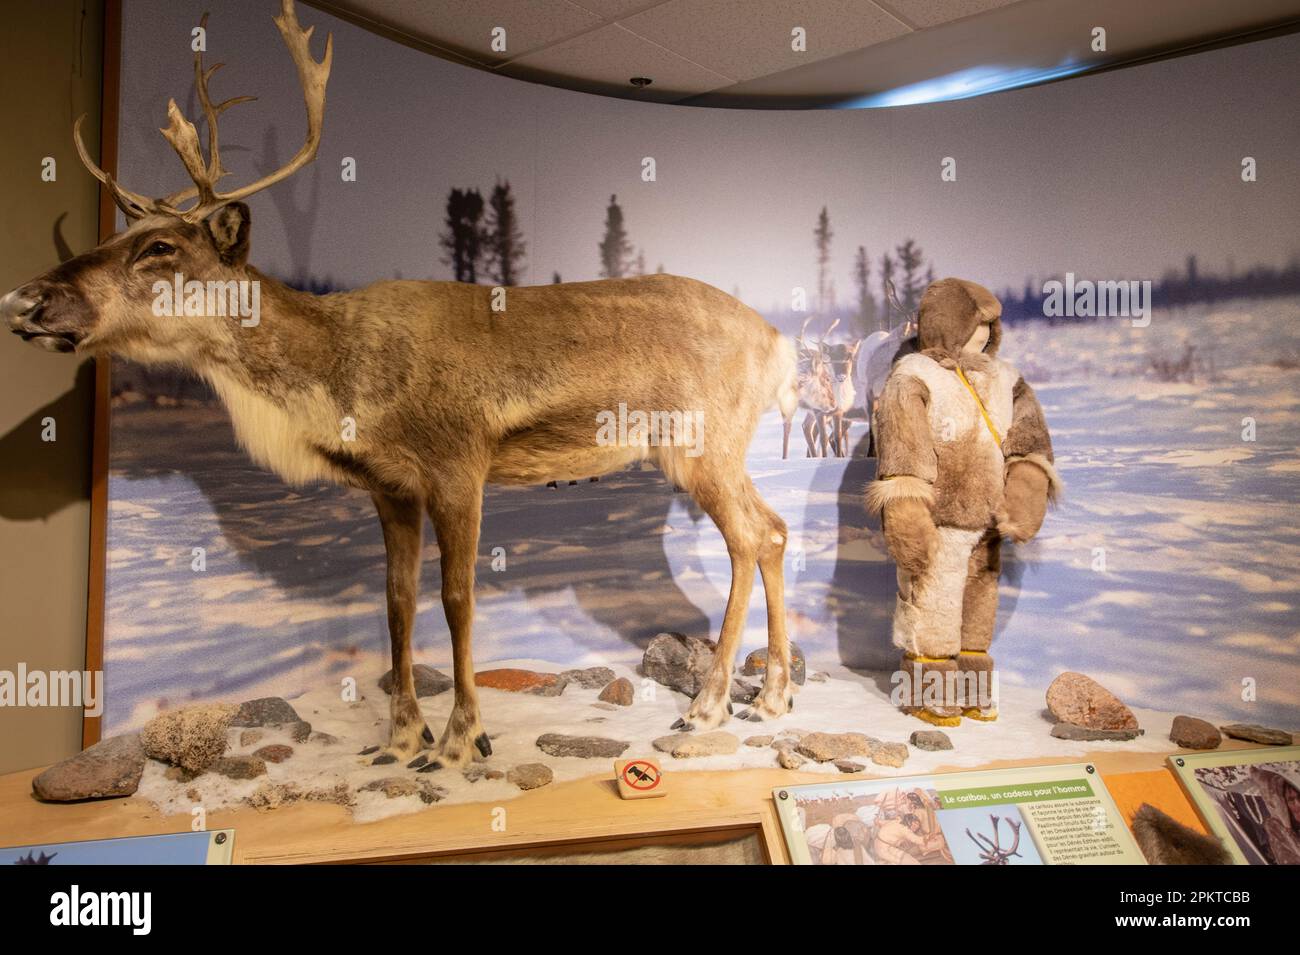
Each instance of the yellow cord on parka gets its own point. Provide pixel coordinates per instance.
(979, 404)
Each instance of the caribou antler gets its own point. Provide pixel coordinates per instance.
(184, 138)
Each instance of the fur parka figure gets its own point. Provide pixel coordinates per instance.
(965, 460)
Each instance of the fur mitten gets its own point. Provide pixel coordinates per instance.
(1024, 501)
(910, 534)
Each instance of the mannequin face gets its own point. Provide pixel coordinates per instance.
(975, 344)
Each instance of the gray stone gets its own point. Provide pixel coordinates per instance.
(428, 681)
(931, 740)
(300, 731)
(848, 766)
(756, 664)
(267, 711)
(1191, 733)
(1081, 701)
(239, 767)
(826, 747)
(1071, 732)
(583, 747)
(686, 745)
(1254, 733)
(111, 767)
(678, 661)
(592, 678)
(743, 691)
(821, 676)
(531, 775)
(325, 739)
(619, 692)
(250, 737)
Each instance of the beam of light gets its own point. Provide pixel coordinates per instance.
(963, 84)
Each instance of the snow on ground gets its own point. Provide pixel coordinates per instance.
(848, 702)
(1171, 572)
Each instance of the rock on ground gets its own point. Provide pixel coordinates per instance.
(267, 711)
(678, 661)
(1080, 700)
(1254, 733)
(239, 767)
(428, 681)
(756, 664)
(686, 745)
(583, 747)
(592, 678)
(530, 775)
(931, 740)
(396, 787)
(827, 747)
(759, 741)
(1072, 732)
(275, 753)
(848, 766)
(192, 738)
(111, 767)
(788, 759)
(888, 754)
(517, 681)
(619, 692)
(1192, 733)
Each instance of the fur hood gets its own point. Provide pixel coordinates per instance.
(951, 310)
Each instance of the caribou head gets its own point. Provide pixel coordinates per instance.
(107, 299)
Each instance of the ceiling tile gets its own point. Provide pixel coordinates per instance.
(749, 38)
(609, 57)
(930, 13)
(614, 9)
(465, 26)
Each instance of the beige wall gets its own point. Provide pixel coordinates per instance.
(50, 73)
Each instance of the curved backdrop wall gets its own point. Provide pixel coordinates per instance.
(1170, 572)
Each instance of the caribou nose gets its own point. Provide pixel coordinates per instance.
(21, 309)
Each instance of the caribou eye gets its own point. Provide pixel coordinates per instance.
(157, 249)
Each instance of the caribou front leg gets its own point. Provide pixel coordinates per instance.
(456, 510)
(403, 523)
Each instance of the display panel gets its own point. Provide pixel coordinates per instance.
(1250, 800)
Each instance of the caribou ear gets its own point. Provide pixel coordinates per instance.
(228, 227)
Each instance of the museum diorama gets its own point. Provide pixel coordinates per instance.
(483, 469)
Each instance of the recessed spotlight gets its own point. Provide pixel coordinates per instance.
(640, 81)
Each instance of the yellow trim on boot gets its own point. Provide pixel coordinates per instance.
(971, 653)
(921, 659)
(975, 713)
(934, 719)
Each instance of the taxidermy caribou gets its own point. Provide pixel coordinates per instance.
(446, 394)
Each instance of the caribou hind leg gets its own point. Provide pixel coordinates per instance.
(402, 520)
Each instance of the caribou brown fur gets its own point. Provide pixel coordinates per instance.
(445, 392)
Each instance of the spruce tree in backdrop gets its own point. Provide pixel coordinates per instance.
(615, 249)
(504, 254)
(912, 283)
(822, 239)
(868, 321)
(463, 238)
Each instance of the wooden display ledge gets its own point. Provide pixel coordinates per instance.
(586, 813)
